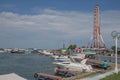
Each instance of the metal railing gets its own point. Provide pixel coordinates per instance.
(108, 58)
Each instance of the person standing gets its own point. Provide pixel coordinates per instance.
(105, 65)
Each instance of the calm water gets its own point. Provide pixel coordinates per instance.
(25, 65)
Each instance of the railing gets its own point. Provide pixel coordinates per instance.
(108, 58)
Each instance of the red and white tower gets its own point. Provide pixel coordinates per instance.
(97, 37)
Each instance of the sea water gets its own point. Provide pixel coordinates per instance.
(25, 65)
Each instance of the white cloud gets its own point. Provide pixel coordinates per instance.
(45, 30)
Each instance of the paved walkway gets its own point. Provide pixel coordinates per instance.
(11, 76)
(98, 77)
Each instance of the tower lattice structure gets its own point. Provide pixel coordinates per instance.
(98, 41)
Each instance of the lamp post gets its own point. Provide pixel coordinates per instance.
(116, 36)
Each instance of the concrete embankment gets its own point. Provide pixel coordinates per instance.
(11, 76)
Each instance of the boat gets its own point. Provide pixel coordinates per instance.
(43, 76)
(62, 58)
(46, 52)
(62, 61)
(66, 73)
(76, 66)
(79, 67)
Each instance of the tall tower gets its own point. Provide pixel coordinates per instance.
(96, 30)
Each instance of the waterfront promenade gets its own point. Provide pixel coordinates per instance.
(11, 76)
(98, 77)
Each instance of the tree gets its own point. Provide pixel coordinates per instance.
(1, 48)
(72, 46)
(113, 48)
(83, 47)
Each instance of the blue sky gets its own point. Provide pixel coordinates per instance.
(30, 7)
(50, 23)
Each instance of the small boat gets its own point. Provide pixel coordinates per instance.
(62, 61)
(56, 57)
(41, 53)
(42, 76)
(47, 53)
(66, 73)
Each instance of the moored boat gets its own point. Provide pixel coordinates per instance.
(66, 73)
(42, 76)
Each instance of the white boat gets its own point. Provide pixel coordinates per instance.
(73, 65)
(47, 53)
(79, 66)
(54, 56)
(61, 57)
(1, 51)
(62, 61)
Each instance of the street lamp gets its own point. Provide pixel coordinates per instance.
(116, 36)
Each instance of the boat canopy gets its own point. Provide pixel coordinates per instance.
(89, 52)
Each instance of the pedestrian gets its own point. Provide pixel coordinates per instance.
(105, 65)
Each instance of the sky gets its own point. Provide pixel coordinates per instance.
(48, 24)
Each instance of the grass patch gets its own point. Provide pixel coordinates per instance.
(91, 74)
(112, 77)
(85, 75)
